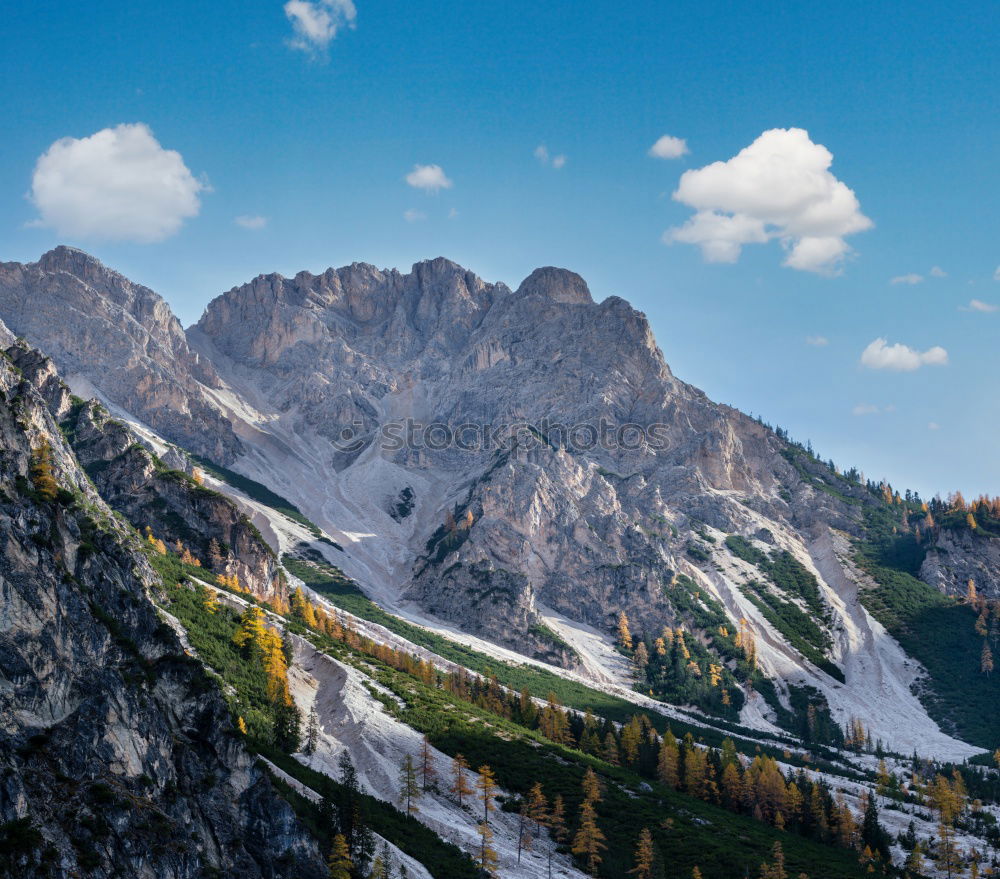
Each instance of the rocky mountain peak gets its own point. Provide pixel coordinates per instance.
(559, 285)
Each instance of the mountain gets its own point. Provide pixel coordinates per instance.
(118, 753)
(514, 483)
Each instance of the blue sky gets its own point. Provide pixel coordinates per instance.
(318, 141)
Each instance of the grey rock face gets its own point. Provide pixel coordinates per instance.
(123, 338)
(960, 555)
(114, 746)
(587, 528)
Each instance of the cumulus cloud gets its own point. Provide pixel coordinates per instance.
(668, 147)
(911, 278)
(414, 216)
(118, 184)
(817, 341)
(979, 305)
(901, 358)
(543, 156)
(938, 272)
(251, 221)
(778, 187)
(315, 24)
(430, 178)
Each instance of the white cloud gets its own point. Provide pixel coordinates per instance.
(668, 147)
(996, 274)
(414, 216)
(118, 184)
(933, 425)
(251, 221)
(817, 341)
(911, 278)
(430, 178)
(315, 24)
(452, 213)
(901, 358)
(778, 187)
(865, 409)
(542, 154)
(937, 272)
(979, 305)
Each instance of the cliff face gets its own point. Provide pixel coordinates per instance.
(122, 338)
(117, 755)
(585, 501)
(133, 481)
(960, 555)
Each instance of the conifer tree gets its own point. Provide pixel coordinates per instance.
(312, 732)
(488, 859)
(41, 472)
(643, 868)
(340, 863)
(487, 786)
(591, 786)
(428, 773)
(986, 659)
(538, 807)
(409, 790)
(667, 764)
(588, 842)
(460, 782)
(624, 636)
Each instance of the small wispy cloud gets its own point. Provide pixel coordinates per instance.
(669, 147)
(251, 221)
(996, 274)
(911, 278)
(980, 306)
(933, 425)
(316, 22)
(817, 341)
(901, 358)
(865, 409)
(430, 178)
(543, 156)
(414, 216)
(937, 272)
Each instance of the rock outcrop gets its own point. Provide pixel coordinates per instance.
(117, 753)
(121, 338)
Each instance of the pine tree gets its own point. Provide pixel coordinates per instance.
(460, 783)
(340, 863)
(588, 842)
(591, 786)
(488, 859)
(641, 658)
(523, 831)
(312, 732)
(986, 659)
(428, 774)
(777, 869)
(538, 807)
(557, 819)
(487, 785)
(42, 477)
(624, 636)
(409, 790)
(643, 868)
(250, 635)
(949, 858)
(667, 764)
